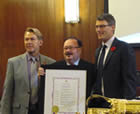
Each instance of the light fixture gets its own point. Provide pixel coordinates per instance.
(72, 11)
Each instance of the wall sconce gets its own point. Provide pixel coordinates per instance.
(72, 11)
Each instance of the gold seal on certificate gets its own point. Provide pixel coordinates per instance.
(55, 109)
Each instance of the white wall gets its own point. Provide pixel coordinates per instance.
(127, 15)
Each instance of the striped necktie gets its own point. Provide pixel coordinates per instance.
(34, 81)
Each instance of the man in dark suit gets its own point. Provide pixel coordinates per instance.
(116, 74)
(72, 51)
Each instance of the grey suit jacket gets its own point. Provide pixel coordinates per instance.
(15, 99)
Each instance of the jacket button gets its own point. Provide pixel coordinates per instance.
(29, 92)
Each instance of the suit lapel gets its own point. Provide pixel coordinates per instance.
(110, 53)
(108, 57)
(24, 68)
(97, 55)
(43, 60)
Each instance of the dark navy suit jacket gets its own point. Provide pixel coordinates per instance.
(119, 73)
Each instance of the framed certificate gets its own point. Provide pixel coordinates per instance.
(65, 91)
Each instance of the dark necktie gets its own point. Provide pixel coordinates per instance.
(100, 70)
(100, 64)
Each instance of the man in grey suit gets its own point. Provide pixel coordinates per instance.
(20, 95)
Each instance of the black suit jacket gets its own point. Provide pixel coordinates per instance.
(83, 65)
(119, 73)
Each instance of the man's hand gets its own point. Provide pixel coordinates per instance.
(41, 72)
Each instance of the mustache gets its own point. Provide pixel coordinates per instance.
(68, 53)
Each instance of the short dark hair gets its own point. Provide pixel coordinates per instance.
(35, 31)
(107, 17)
(79, 42)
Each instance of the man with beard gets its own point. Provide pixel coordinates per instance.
(72, 50)
(20, 95)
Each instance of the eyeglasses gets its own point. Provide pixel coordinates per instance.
(101, 26)
(70, 47)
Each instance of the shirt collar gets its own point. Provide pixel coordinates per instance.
(109, 42)
(76, 63)
(29, 57)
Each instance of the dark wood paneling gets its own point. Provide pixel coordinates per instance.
(48, 16)
(137, 51)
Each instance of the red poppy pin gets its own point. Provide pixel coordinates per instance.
(113, 48)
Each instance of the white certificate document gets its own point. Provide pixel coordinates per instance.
(65, 91)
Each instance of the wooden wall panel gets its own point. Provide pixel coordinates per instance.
(137, 51)
(48, 16)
